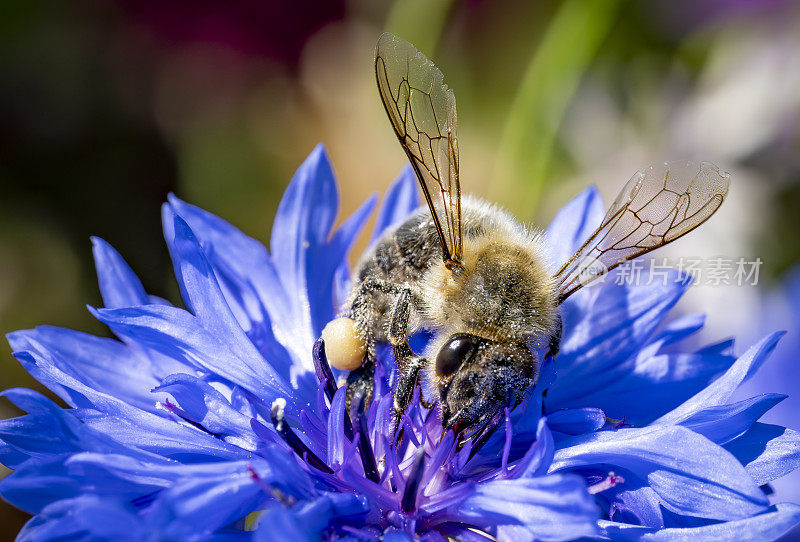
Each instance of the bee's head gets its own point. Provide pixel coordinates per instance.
(476, 377)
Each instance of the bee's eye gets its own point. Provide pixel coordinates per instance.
(457, 350)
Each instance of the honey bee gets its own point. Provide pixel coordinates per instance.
(475, 276)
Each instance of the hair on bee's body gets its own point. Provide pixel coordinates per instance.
(472, 274)
(503, 291)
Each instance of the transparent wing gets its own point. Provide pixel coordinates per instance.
(657, 206)
(423, 113)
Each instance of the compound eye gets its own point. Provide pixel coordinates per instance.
(457, 350)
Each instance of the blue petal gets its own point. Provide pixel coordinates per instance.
(125, 424)
(203, 297)
(111, 473)
(770, 525)
(618, 322)
(576, 421)
(307, 519)
(331, 507)
(280, 524)
(646, 386)
(86, 517)
(329, 262)
(10, 456)
(555, 507)
(767, 451)
(98, 362)
(249, 283)
(302, 225)
(199, 505)
(24, 437)
(572, 225)
(111, 468)
(187, 500)
(723, 423)
(337, 442)
(539, 457)
(119, 285)
(306, 256)
(396, 535)
(245, 257)
(48, 430)
(722, 347)
(247, 279)
(679, 329)
(40, 482)
(167, 438)
(720, 391)
(176, 333)
(230, 534)
(208, 407)
(693, 476)
(399, 202)
(462, 534)
(31, 402)
(638, 505)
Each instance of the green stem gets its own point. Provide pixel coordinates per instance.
(548, 84)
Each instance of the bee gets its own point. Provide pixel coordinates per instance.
(472, 274)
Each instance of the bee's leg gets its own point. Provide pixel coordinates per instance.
(361, 379)
(401, 312)
(409, 377)
(555, 339)
(363, 313)
(398, 327)
(408, 363)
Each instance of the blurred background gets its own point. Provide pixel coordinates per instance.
(106, 107)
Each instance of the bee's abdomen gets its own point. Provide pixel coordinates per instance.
(403, 255)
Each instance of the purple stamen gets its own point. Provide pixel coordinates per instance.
(440, 454)
(323, 369)
(408, 503)
(348, 428)
(507, 445)
(409, 425)
(299, 447)
(325, 376)
(483, 434)
(359, 418)
(391, 465)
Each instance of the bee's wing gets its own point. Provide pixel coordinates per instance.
(658, 205)
(423, 113)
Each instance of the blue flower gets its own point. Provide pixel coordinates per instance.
(780, 307)
(223, 421)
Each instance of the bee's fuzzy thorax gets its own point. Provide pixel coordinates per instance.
(505, 291)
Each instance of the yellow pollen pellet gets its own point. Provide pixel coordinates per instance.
(343, 346)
